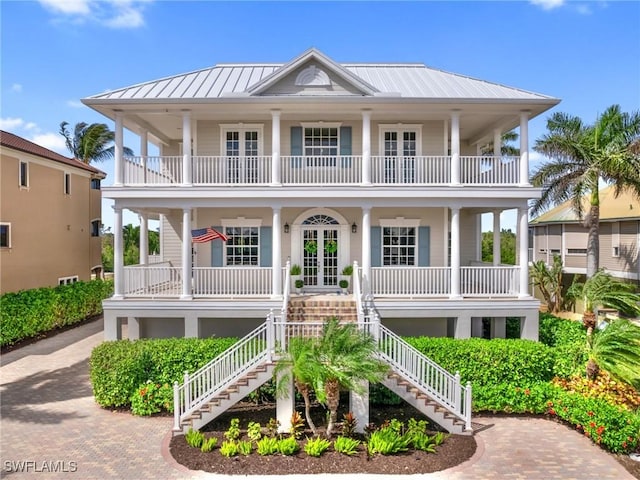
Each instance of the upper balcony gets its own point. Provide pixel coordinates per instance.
(339, 170)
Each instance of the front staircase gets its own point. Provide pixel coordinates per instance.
(319, 308)
(250, 363)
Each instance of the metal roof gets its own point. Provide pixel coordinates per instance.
(392, 80)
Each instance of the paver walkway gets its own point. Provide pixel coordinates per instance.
(49, 418)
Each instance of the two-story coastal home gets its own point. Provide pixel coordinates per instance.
(322, 165)
(50, 217)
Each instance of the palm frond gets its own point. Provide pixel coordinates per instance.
(616, 349)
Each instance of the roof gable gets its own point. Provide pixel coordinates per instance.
(312, 73)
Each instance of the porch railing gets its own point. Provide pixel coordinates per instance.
(411, 281)
(158, 280)
(231, 282)
(497, 281)
(320, 170)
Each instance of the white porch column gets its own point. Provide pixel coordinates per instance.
(499, 327)
(463, 326)
(191, 325)
(524, 148)
(186, 148)
(523, 251)
(144, 238)
(366, 147)
(366, 249)
(497, 238)
(118, 255)
(144, 152)
(455, 254)
(118, 151)
(275, 148)
(476, 327)
(133, 328)
(276, 254)
(186, 255)
(455, 148)
(497, 143)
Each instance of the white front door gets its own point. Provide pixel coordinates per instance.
(320, 252)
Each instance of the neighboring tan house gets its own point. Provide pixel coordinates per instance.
(382, 159)
(50, 217)
(322, 165)
(559, 232)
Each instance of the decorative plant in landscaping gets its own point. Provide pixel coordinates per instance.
(549, 282)
(616, 349)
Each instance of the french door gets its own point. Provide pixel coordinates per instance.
(400, 152)
(320, 256)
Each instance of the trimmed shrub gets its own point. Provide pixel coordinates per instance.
(28, 313)
(510, 398)
(490, 362)
(118, 368)
(569, 340)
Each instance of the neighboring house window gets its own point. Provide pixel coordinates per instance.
(555, 251)
(95, 184)
(399, 246)
(5, 235)
(576, 251)
(242, 145)
(242, 246)
(24, 174)
(67, 184)
(95, 228)
(67, 280)
(615, 239)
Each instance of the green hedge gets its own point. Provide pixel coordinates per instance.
(28, 313)
(117, 369)
(488, 362)
(569, 342)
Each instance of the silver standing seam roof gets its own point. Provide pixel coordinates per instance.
(392, 80)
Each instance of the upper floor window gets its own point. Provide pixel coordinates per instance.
(5, 235)
(399, 246)
(95, 184)
(95, 228)
(24, 174)
(67, 184)
(242, 246)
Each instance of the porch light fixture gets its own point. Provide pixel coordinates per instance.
(286, 228)
(354, 228)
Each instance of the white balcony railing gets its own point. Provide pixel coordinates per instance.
(410, 281)
(489, 281)
(231, 282)
(159, 280)
(321, 170)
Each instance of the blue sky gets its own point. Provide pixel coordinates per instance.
(55, 52)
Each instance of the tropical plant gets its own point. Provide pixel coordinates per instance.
(507, 247)
(295, 269)
(583, 156)
(299, 362)
(347, 357)
(267, 446)
(603, 290)
(91, 142)
(616, 349)
(208, 444)
(315, 447)
(346, 445)
(288, 446)
(505, 147)
(194, 438)
(347, 271)
(548, 279)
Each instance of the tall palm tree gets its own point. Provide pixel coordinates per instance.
(582, 156)
(91, 142)
(347, 356)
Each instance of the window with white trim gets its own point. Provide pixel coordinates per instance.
(5, 235)
(95, 228)
(67, 184)
(242, 145)
(321, 144)
(576, 251)
(23, 174)
(95, 184)
(399, 246)
(67, 280)
(242, 247)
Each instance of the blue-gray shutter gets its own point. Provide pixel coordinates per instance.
(424, 246)
(217, 250)
(376, 246)
(265, 246)
(296, 146)
(345, 146)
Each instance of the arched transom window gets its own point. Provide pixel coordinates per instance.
(320, 220)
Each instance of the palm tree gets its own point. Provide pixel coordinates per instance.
(91, 142)
(347, 356)
(616, 349)
(604, 290)
(549, 282)
(506, 148)
(301, 363)
(582, 156)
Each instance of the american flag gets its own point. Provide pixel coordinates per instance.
(204, 235)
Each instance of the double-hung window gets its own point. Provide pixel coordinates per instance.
(242, 147)
(399, 246)
(321, 146)
(5, 235)
(242, 247)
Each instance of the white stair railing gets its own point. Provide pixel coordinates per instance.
(200, 387)
(441, 386)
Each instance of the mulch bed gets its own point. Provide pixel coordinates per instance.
(454, 451)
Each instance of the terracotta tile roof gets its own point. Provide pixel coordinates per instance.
(10, 140)
(625, 206)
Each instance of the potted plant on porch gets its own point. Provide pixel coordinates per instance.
(299, 283)
(347, 271)
(344, 285)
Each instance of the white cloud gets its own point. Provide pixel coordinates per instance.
(115, 14)
(74, 104)
(548, 4)
(16, 87)
(10, 123)
(30, 126)
(52, 141)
